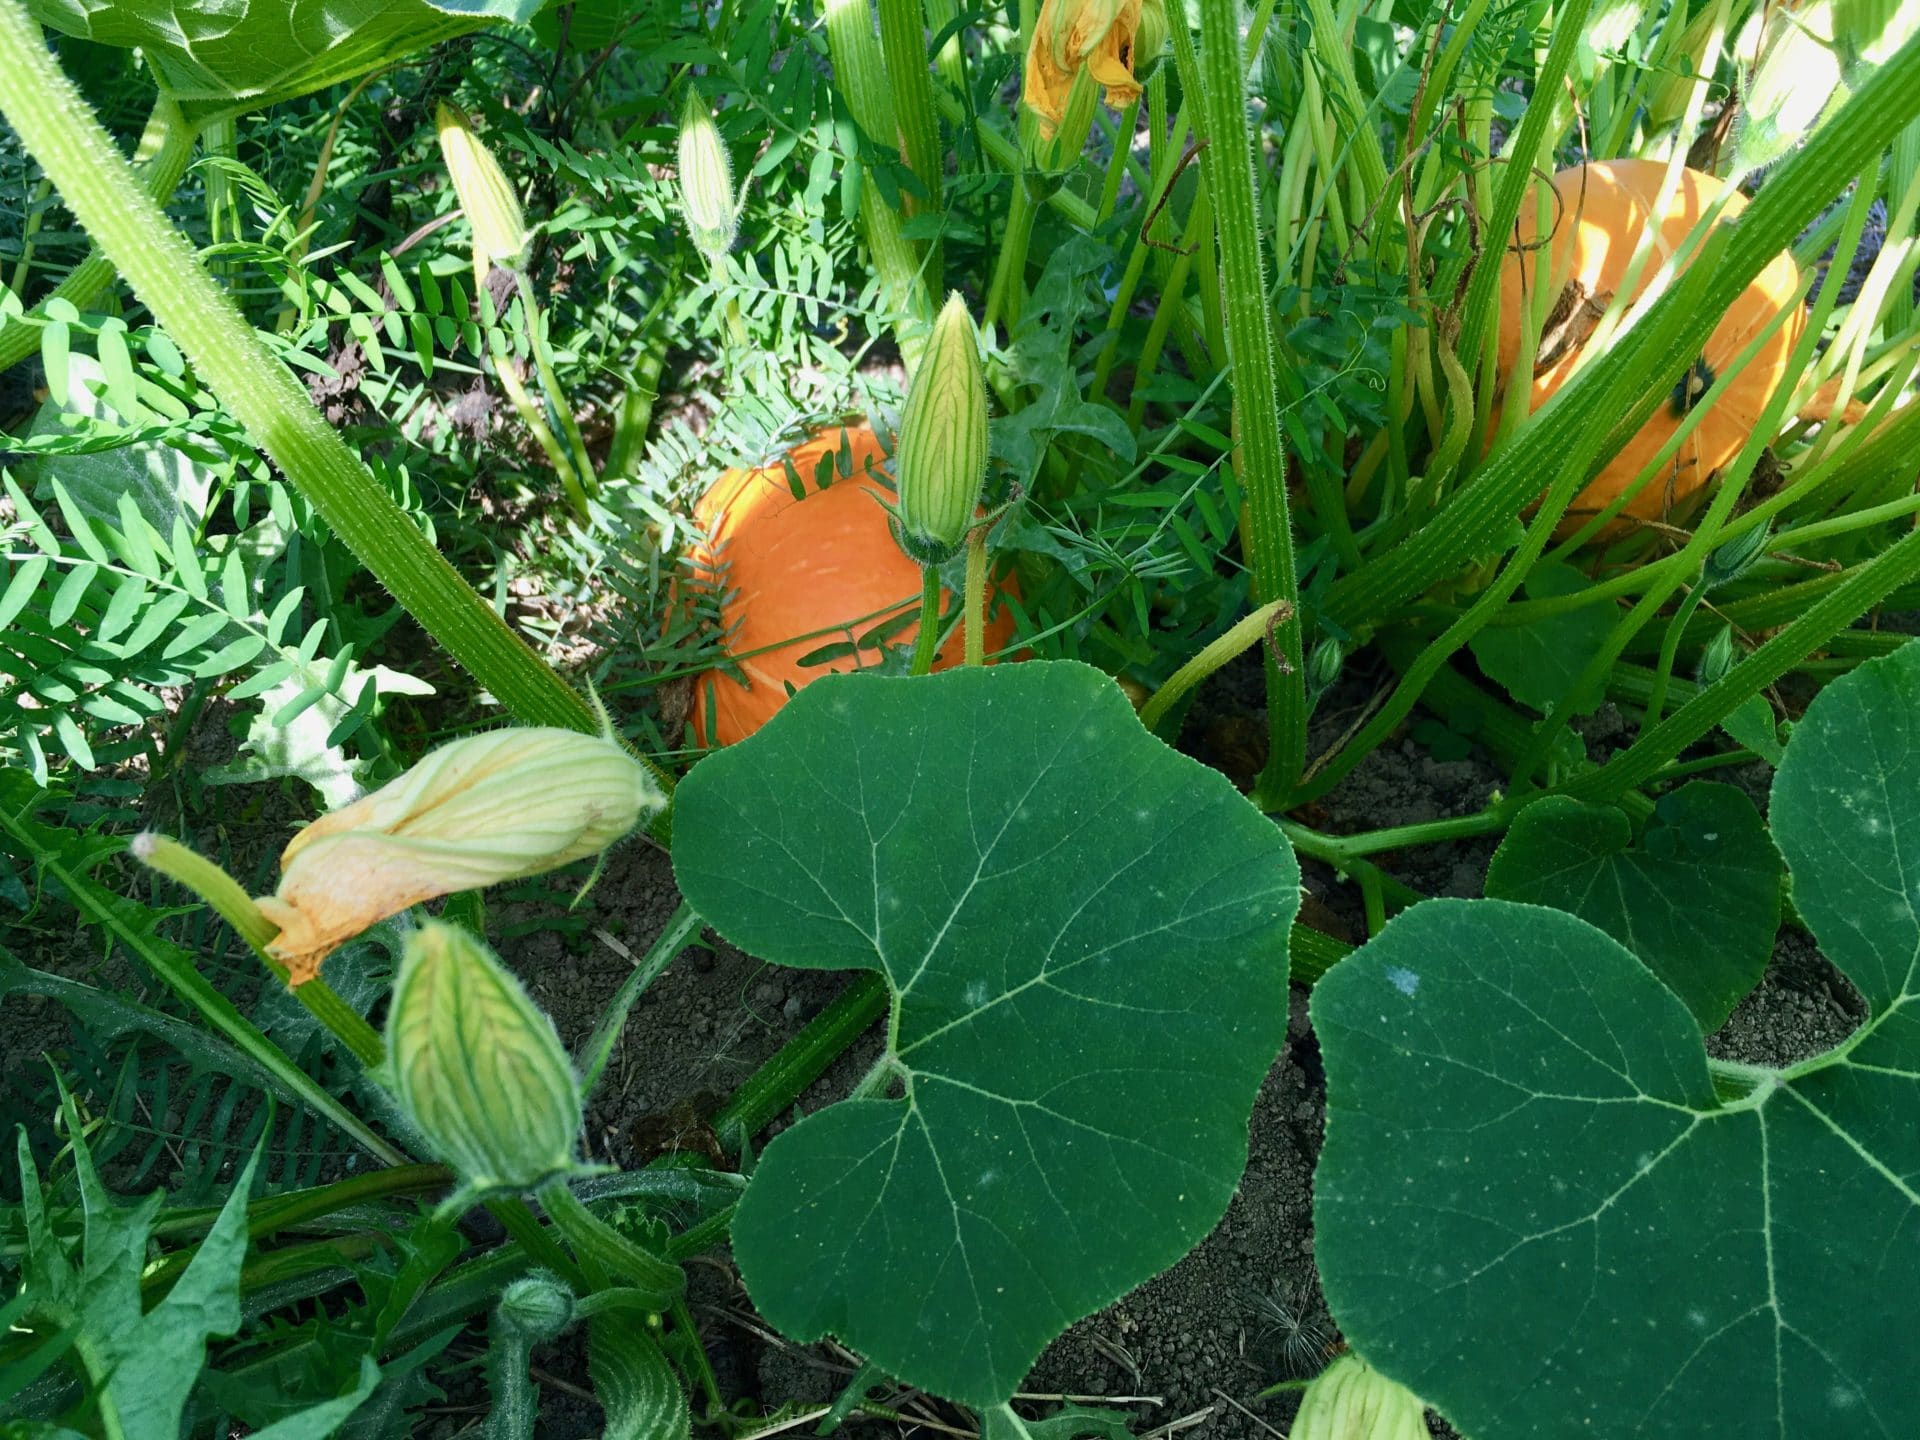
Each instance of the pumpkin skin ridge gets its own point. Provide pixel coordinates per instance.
(787, 559)
(1591, 247)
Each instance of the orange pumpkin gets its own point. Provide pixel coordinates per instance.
(1602, 211)
(803, 573)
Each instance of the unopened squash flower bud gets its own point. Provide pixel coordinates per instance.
(487, 196)
(1323, 665)
(539, 1306)
(941, 461)
(1097, 36)
(492, 807)
(1717, 656)
(477, 1066)
(1350, 1400)
(1735, 557)
(707, 196)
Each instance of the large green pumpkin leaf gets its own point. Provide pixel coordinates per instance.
(243, 54)
(1698, 899)
(1542, 1208)
(1085, 936)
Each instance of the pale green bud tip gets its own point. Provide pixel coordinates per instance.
(477, 1066)
(707, 196)
(1350, 1400)
(1150, 40)
(475, 812)
(486, 195)
(942, 453)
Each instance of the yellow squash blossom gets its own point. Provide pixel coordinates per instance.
(499, 806)
(1072, 35)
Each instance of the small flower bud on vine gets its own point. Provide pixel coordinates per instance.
(538, 1306)
(1735, 557)
(1323, 665)
(1718, 656)
(486, 195)
(941, 461)
(492, 807)
(707, 196)
(477, 1066)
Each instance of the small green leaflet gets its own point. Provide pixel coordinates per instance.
(1085, 934)
(1540, 1208)
(1697, 899)
(1751, 724)
(1538, 661)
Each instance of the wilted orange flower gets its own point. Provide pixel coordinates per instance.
(1071, 35)
(475, 812)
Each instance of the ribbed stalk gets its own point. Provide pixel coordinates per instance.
(1859, 593)
(860, 74)
(232, 903)
(976, 611)
(165, 148)
(779, 1081)
(926, 644)
(1229, 646)
(272, 407)
(903, 40)
(1266, 526)
(598, 1243)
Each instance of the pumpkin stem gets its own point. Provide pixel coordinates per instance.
(976, 611)
(927, 643)
(1575, 315)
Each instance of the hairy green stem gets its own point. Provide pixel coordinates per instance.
(926, 644)
(519, 1221)
(802, 1060)
(903, 40)
(58, 129)
(680, 931)
(232, 903)
(1217, 75)
(976, 597)
(1858, 593)
(1010, 261)
(1247, 631)
(598, 1243)
(299, 1209)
